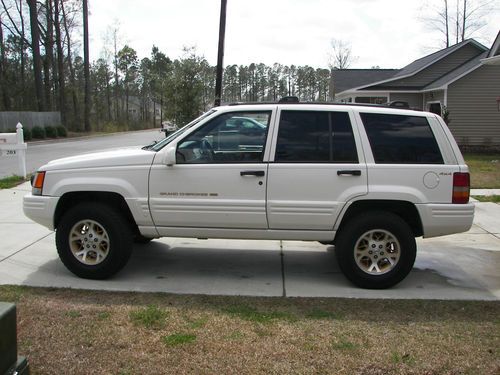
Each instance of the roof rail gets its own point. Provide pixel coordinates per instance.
(295, 100)
(289, 99)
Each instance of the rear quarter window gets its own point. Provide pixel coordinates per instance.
(401, 139)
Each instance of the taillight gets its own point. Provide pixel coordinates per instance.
(38, 183)
(461, 188)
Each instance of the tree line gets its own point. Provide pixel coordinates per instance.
(41, 69)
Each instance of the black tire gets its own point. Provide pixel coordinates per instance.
(109, 234)
(376, 232)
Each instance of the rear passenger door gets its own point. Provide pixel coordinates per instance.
(317, 166)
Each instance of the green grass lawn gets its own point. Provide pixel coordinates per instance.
(484, 170)
(65, 331)
(10, 182)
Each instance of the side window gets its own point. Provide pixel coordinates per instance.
(315, 137)
(236, 137)
(399, 139)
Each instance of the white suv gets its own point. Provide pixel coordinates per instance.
(367, 179)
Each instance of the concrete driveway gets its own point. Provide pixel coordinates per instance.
(463, 266)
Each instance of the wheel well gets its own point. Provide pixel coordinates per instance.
(406, 210)
(114, 200)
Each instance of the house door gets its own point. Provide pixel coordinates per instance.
(435, 108)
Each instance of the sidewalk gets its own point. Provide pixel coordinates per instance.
(463, 266)
(485, 192)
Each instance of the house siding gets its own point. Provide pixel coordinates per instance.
(474, 113)
(435, 71)
(414, 100)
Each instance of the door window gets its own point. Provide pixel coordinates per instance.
(315, 137)
(236, 137)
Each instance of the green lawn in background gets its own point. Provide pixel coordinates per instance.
(484, 170)
(10, 182)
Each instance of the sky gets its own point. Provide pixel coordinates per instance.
(384, 33)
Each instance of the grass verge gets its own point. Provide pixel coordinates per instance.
(10, 182)
(484, 170)
(487, 198)
(70, 331)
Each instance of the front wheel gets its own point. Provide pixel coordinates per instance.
(93, 241)
(376, 250)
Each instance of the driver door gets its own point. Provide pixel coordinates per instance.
(219, 179)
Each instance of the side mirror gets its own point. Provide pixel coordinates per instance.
(170, 156)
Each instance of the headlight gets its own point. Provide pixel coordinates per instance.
(37, 183)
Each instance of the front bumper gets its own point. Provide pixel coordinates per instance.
(444, 219)
(41, 209)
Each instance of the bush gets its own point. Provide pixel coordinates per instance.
(27, 134)
(50, 132)
(61, 131)
(38, 132)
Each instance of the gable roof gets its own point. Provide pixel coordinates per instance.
(424, 62)
(401, 77)
(457, 73)
(345, 79)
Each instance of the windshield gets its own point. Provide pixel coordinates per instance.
(158, 146)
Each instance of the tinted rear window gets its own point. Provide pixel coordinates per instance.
(399, 139)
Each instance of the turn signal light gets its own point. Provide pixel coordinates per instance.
(461, 188)
(38, 183)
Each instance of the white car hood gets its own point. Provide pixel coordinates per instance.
(112, 158)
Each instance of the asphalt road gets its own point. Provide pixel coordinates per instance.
(39, 153)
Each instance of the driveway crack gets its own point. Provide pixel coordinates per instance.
(24, 248)
(282, 256)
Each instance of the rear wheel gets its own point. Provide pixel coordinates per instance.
(376, 251)
(93, 240)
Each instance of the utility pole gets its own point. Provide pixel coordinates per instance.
(86, 65)
(220, 55)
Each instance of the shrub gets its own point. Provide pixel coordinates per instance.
(38, 132)
(27, 134)
(61, 131)
(50, 132)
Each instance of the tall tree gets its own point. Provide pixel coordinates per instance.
(127, 63)
(341, 56)
(457, 20)
(86, 64)
(3, 93)
(60, 64)
(72, 77)
(35, 47)
(49, 46)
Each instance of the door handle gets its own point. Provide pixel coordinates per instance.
(252, 173)
(355, 172)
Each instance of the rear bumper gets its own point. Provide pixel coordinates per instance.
(444, 219)
(40, 209)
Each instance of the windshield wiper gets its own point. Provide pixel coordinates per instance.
(150, 146)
